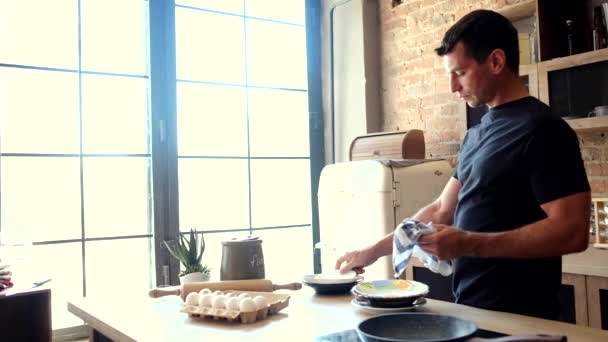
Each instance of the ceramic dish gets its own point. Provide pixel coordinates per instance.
(390, 293)
(332, 278)
(419, 302)
(331, 289)
(326, 285)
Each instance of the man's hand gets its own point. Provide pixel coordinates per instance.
(356, 260)
(447, 242)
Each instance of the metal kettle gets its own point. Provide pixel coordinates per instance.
(242, 259)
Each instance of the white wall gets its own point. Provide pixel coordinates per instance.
(356, 106)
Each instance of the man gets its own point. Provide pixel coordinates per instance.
(519, 198)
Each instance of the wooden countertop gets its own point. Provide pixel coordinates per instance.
(306, 317)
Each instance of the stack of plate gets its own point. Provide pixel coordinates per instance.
(389, 295)
(332, 283)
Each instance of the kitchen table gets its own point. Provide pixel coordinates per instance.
(307, 316)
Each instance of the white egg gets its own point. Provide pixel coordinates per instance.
(205, 300)
(218, 302)
(230, 294)
(204, 291)
(217, 293)
(244, 295)
(192, 298)
(247, 305)
(233, 303)
(260, 302)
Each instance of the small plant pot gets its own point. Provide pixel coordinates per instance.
(194, 277)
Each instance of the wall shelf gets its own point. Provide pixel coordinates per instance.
(595, 124)
(574, 60)
(595, 94)
(520, 10)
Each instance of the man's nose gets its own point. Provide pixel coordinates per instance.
(454, 84)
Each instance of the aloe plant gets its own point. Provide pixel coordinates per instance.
(190, 253)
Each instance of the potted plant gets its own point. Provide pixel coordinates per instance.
(190, 253)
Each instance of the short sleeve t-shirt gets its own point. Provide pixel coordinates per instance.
(519, 157)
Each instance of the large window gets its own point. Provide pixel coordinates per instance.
(86, 158)
(75, 169)
(242, 110)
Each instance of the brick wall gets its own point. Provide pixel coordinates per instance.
(415, 86)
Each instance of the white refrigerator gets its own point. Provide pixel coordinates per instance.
(362, 201)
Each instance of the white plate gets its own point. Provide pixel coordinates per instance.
(331, 278)
(374, 309)
(391, 289)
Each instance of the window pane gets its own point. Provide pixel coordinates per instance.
(117, 196)
(276, 54)
(63, 264)
(228, 6)
(115, 114)
(38, 111)
(209, 46)
(291, 11)
(39, 33)
(114, 36)
(292, 244)
(211, 120)
(279, 123)
(129, 263)
(41, 197)
(280, 192)
(213, 194)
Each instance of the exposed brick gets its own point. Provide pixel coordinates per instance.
(427, 100)
(412, 6)
(416, 90)
(441, 150)
(447, 6)
(450, 135)
(390, 25)
(452, 109)
(598, 185)
(591, 153)
(393, 70)
(427, 3)
(594, 169)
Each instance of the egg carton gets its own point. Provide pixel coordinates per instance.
(276, 303)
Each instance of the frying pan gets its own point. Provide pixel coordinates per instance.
(428, 327)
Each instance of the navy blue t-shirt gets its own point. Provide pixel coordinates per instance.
(519, 157)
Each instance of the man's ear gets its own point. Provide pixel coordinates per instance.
(497, 60)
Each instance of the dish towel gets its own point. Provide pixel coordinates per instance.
(5, 277)
(405, 241)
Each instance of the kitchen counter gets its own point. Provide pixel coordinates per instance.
(306, 317)
(593, 261)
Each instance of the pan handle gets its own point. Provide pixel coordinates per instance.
(523, 338)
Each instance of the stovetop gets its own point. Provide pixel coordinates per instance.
(351, 336)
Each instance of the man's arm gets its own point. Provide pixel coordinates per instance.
(564, 231)
(441, 211)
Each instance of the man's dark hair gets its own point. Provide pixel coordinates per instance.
(481, 32)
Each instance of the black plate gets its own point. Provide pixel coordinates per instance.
(330, 289)
(386, 302)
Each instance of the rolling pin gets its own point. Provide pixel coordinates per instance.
(257, 285)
